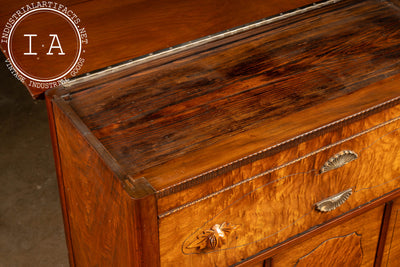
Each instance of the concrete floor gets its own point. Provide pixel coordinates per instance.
(31, 228)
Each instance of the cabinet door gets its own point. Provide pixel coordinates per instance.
(391, 256)
(352, 243)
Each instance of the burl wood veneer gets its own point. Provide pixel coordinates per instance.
(239, 150)
(274, 205)
(350, 244)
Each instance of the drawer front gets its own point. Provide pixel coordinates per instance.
(278, 204)
(300, 148)
(353, 243)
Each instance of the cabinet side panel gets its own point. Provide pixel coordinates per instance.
(101, 214)
(61, 188)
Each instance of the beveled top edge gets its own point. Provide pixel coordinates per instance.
(182, 185)
(136, 188)
(275, 148)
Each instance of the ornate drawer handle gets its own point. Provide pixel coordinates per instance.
(334, 201)
(214, 238)
(339, 160)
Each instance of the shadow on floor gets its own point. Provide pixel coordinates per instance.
(31, 229)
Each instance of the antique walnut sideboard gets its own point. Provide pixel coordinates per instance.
(272, 144)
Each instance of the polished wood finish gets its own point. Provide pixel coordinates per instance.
(240, 97)
(260, 264)
(391, 256)
(337, 251)
(350, 244)
(291, 191)
(122, 30)
(61, 188)
(237, 130)
(383, 234)
(274, 161)
(296, 240)
(107, 226)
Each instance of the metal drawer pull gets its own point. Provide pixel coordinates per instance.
(214, 238)
(339, 160)
(334, 201)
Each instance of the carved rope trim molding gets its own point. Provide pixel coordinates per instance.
(208, 175)
(287, 164)
(297, 220)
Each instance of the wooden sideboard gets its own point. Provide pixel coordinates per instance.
(275, 144)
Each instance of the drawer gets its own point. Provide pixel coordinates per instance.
(279, 203)
(353, 243)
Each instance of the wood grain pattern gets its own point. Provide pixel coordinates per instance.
(173, 123)
(60, 181)
(350, 244)
(278, 159)
(391, 256)
(234, 131)
(135, 28)
(259, 264)
(279, 204)
(315, 231)
(107, 227)
(383, 233)
(337, 251)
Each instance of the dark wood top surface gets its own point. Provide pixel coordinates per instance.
(197, 112)
(122, 30)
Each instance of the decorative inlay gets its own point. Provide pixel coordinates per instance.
(187, 247)
(214, 238)
(338, 251)
(339, 160)
(334, 201)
